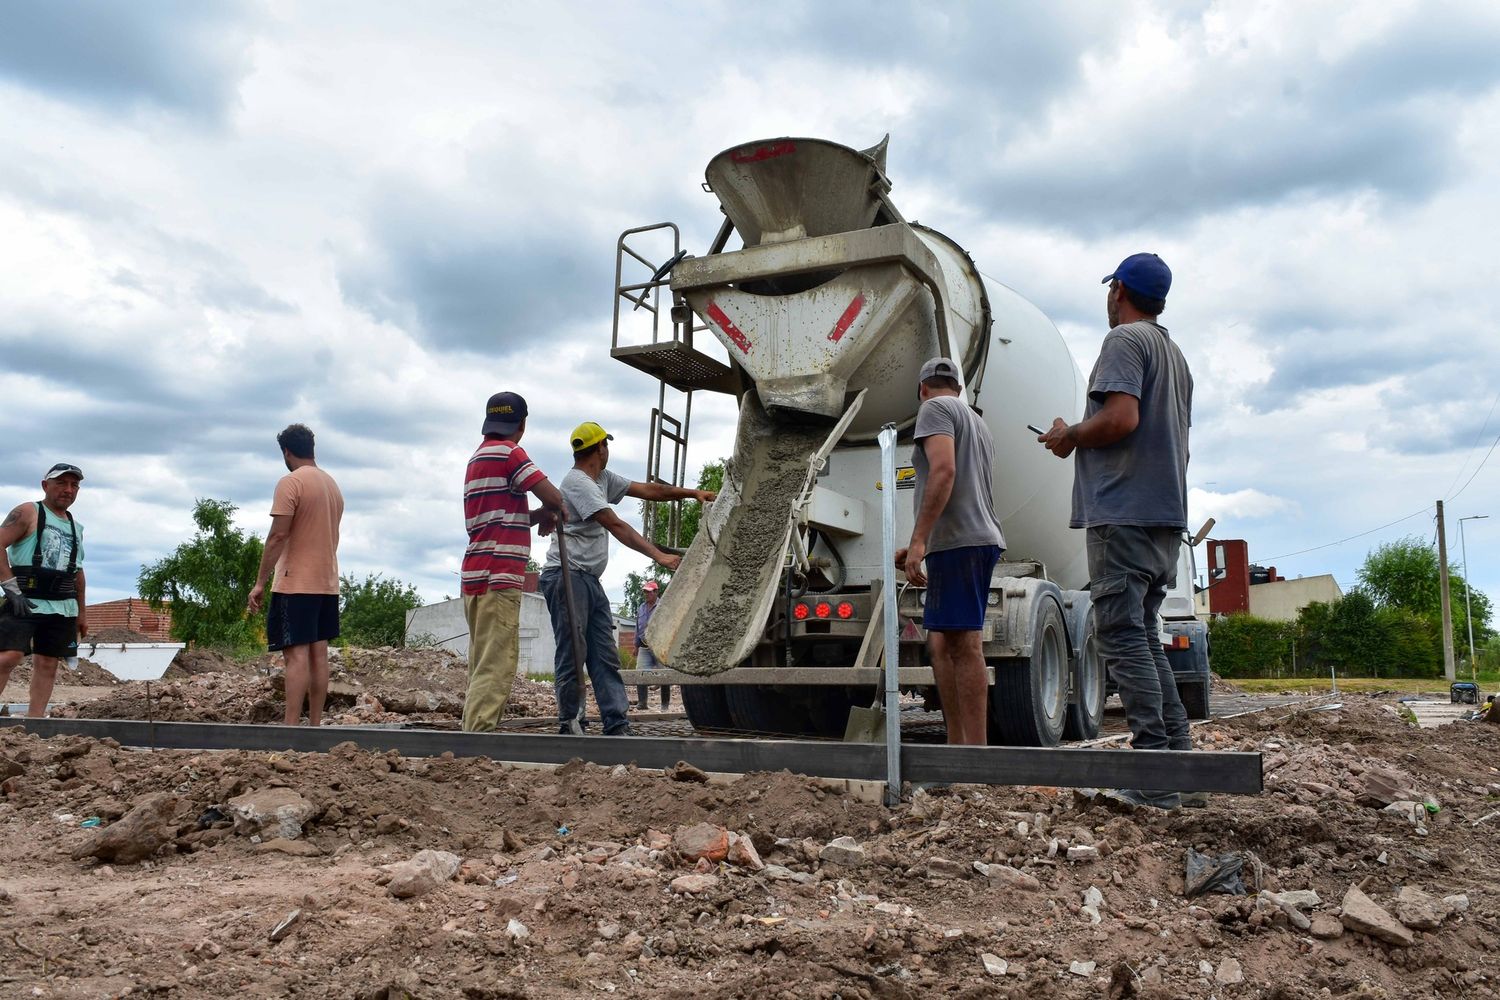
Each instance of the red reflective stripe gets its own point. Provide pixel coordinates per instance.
(727, 325)
(754, 154)
(847, 320)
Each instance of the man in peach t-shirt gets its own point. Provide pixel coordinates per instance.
(302, 553)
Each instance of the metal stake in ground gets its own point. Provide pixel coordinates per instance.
(575, 629)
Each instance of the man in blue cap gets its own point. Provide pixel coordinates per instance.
(1130, 494)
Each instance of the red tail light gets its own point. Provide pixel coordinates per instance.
(823, 610)
(799, 611)
(846, 610)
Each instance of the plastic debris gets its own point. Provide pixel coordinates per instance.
(1221, 874)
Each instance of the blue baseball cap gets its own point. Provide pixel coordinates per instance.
(1143, 273)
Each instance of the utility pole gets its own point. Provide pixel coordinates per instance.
(1449, 670)
(1463, 551)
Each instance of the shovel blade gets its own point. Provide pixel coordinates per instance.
(866, 725)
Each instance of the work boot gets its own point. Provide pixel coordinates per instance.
(1194, 800)
(1132, 799)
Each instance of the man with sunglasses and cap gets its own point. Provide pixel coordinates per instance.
(589, 492)
(42, 610)
(1130, 494)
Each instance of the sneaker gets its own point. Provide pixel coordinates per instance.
(1134, 798)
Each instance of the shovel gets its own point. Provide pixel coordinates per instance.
(575, 628)
(867, 725)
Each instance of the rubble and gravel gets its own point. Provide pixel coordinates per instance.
(288, 874)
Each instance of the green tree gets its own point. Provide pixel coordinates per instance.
(206, 581)
(373, 613)
(1405, 574)
(710, 477)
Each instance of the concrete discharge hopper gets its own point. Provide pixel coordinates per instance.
(786, 189)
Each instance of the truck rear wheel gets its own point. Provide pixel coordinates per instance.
(1086, 712)
(1194, 695)
(706, 708)
(764, 711)
(1029, 700)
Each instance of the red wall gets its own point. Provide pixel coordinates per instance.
(1229, 590)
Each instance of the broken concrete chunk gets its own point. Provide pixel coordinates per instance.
(1326, 927)
(843, 851)
(1363, 914)
(780, 873)
(1083, 852)
(421, 873)
(1458, 903)
(742, 853)
(270, 812)
(1007, 877)
(285, 927)
(1419, 911)
(1092, 900)
(1229, 972)
(943, 867)
(1082, 968)
(994, 964)
(1379, 788)
(693, 884)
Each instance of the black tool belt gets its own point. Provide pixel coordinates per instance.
(47, 584)
(41, 583)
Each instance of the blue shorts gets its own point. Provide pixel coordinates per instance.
(958, 587)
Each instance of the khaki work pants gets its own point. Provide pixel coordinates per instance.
(494, 619)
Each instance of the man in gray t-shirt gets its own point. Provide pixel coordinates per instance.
(1130, 493)
(958, 535)
(589, 492)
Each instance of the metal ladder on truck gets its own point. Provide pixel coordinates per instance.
(669, 357)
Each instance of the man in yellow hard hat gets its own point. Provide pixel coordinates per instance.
(589, 492)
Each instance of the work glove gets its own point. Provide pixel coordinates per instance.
(14, 599)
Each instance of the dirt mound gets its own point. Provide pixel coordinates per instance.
(193, 660)
(117, 634)
(583, 880)
(83, 673)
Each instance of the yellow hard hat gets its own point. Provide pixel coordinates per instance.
(588, 434)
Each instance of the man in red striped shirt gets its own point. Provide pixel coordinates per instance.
(499, 519)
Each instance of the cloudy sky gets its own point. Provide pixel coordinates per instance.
(217, 218)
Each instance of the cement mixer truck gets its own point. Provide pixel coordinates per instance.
(826, 312)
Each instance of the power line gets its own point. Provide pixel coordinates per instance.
(1486, 458)
(1477, 438)
(1341, 541)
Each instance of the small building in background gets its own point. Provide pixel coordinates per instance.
(134, 614)
(1281, 600)
(443, 624)
(1238, 586)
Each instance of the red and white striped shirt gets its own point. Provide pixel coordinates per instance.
(497, 516)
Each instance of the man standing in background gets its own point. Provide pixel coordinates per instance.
(1130, 494)
(644, 658)
(42, 610)
(302, 553)
(498, 519)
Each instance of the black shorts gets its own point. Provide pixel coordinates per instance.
(299, 619)
(40, 635)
